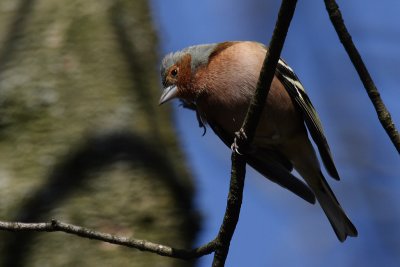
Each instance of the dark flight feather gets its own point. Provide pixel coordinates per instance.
(273, 166)
(292, 84)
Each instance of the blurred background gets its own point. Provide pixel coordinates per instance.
(275, 227)
(82, 138)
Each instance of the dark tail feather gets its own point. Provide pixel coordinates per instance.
(275, 172)
(341, 224)
(275, 168)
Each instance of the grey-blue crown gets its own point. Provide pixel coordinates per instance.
(199, 53)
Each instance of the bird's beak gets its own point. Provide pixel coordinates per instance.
(169, 93)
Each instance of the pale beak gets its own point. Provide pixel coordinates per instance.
(169, 93)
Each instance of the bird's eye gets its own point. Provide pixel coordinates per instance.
(174, 72)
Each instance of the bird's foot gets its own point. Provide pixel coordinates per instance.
(239, 144)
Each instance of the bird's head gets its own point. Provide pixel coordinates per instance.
(179, 69)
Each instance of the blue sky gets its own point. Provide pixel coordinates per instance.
(276, 228)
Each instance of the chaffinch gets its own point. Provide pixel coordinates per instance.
(218, 81)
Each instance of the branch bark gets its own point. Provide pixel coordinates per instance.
(268, 69)
(143, 245)
(248, 129)
(369, 85)
(232, 212)
(221, 244)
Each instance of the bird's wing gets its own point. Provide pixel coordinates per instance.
(292, 84)
(273, 166)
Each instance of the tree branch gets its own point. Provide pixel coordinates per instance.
(268, 69)
(143, 245)
(232, 212)
(247, 132)
(221, 244)
(373, 93)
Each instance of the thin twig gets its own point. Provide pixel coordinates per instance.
(143, 245)
(248, 131)
(373, 93)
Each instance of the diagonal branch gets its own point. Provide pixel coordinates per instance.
(143, 245)
(372, 91)
(268, 69)
(247, 132)
(221, 244)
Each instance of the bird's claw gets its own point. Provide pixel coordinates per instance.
(235, 147)
(239, 142)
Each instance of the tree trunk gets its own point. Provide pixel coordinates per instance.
(82, 138)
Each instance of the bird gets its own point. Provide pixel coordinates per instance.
(218, 81)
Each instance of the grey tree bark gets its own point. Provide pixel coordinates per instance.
(82, 138)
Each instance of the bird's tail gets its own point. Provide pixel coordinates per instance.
(341, 224)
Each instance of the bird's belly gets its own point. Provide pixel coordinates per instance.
(271, 129)
(275, 128)
(279, 121)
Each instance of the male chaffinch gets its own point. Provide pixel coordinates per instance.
(218, 81)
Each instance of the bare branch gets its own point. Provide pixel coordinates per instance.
(221, 244)
(143, 245)
(373, 93)
(268, 69)
(232, 212)
(247, 132)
